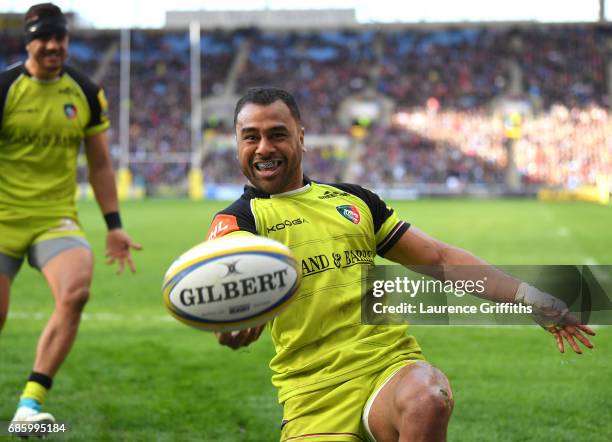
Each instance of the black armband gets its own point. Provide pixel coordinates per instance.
(113, 220)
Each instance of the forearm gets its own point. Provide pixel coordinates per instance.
(102, 180)
(460, 265)
(426, 255)
(101, 173)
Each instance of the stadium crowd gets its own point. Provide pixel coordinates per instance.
(444, 79)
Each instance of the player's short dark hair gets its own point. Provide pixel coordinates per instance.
(44, 19)
(268, 95)
(42, 10)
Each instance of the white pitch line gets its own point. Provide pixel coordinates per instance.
(110, 317)
(102, 317)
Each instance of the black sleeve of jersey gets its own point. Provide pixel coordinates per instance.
(380, 214)
(380, 211)
(90, 89)
(241, 209)
(6, 80)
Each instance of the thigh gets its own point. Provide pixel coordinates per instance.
(66, 263)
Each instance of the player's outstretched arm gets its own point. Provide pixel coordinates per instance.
(446, 262)
(102, 179)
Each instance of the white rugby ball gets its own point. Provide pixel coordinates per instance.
(231, 283)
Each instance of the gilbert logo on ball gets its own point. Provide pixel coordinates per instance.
(231, 283)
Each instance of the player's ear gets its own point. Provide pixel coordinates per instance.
(302, 139)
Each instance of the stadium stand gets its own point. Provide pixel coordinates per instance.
(458, 100)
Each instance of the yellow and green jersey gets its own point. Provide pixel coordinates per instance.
(42, 125)
(332, 230)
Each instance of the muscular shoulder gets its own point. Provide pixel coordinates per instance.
(86, 84)
(237, 216)
(95, 99)
(7, 78)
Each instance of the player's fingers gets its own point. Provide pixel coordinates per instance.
(578, 335)
(220, 337)
(135, 246)
(570, 340)
(225, 339)
(231, 339)
(259, 331)
(239, 340)
(585, 328)
(247, 336)
(559, 340)
(121, 267)
(110, 260)
(131, 263)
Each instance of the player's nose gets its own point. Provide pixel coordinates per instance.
(265, 147)
(53, 43)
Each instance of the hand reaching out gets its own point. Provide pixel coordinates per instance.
(553, 315)
(242, 338)
(118, 245)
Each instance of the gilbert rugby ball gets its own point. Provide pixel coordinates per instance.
(232, 283)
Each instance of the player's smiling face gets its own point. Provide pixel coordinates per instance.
(270, 147)
(46, 56)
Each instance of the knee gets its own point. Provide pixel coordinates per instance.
(75, 299)
(426, 391)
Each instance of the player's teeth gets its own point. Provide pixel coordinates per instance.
(267, 165)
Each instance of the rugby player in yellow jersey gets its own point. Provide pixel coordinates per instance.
(340, 380)
(46, 110)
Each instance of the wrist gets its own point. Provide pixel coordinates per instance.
(521, 292)
(528, 295)
(112, 220)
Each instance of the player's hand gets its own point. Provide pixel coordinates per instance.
(118, 245)
(553, 315)
(571, 330)
(242, 338)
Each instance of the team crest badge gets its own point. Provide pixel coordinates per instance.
(70, 110)
(349, 212)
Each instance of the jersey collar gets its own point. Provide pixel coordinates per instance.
(258, 193)
(38, 80)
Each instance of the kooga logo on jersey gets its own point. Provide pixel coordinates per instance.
(287, 223)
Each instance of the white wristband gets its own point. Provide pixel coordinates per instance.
(541, 301)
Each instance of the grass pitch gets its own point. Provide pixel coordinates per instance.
(135, 374)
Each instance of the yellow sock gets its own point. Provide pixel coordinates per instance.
(33, 390)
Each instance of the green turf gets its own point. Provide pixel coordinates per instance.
(135, 374)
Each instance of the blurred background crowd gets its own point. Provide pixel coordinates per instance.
(440, 106)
